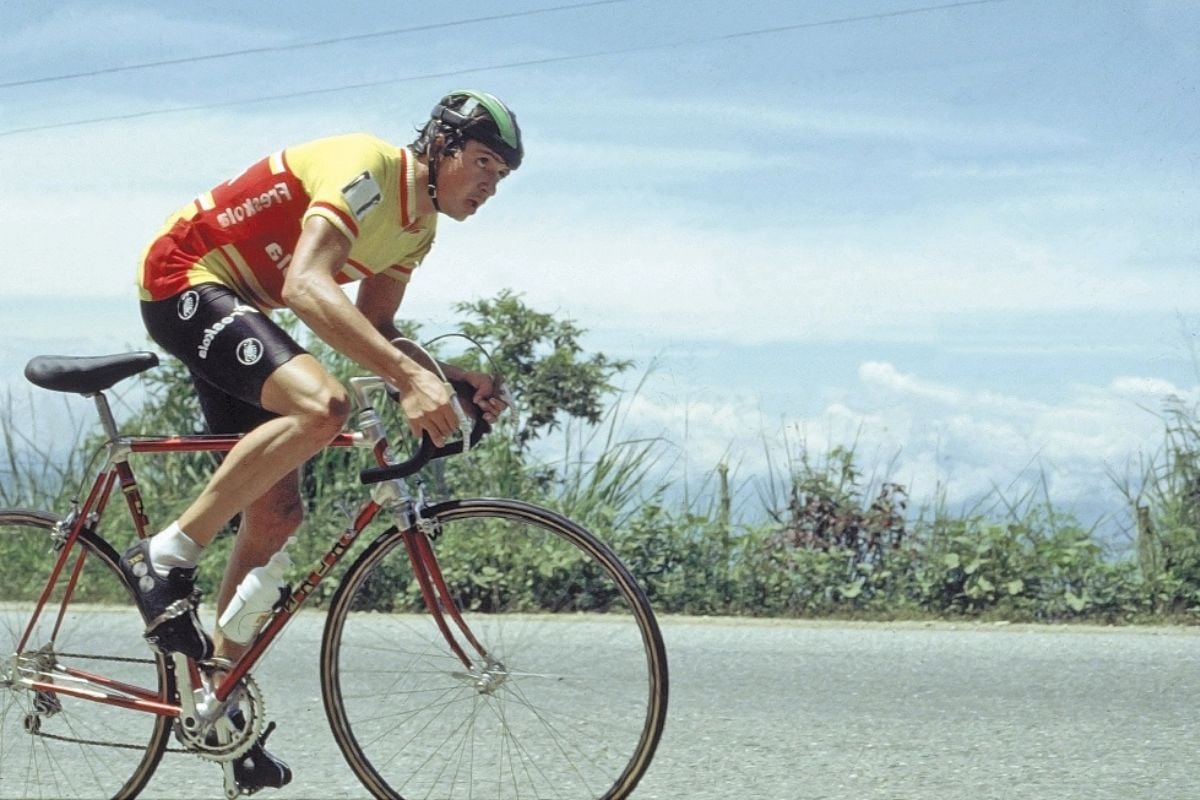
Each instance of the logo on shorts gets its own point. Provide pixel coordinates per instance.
(211, 332)
(188, 303)
(249, 351)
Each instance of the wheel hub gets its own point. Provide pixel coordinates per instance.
(492, 678)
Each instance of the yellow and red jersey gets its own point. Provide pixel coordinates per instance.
(243, 233)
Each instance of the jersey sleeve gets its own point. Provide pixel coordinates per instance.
(344, 178)
(399, 272)
(403, 272)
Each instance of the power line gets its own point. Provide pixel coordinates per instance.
(904, 12)
(358, 37)
(504, 66)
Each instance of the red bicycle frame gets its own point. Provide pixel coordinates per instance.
(435, 592)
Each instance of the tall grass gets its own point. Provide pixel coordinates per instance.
(43, 454)
(1164, 498)
(830, 537)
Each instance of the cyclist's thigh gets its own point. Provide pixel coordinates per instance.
(230, 347)
(302, 384)
(225, 413)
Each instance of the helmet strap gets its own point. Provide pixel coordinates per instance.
(435, 155)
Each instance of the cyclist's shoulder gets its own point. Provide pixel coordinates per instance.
(335, 152)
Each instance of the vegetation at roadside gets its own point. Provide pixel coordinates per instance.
(828, 540)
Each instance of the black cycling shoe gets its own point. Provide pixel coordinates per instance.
(168, 605)
(257, 768)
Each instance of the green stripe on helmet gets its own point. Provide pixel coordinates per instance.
(498, 112)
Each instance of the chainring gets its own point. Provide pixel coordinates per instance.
(223, 741)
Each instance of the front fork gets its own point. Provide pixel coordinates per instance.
(482, 669)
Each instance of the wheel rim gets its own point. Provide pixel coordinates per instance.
(570, 702)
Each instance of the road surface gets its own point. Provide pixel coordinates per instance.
(838, 711)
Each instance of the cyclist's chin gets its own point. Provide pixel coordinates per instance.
(460, 210)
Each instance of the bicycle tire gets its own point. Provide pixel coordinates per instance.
(56, 745)
(583, 697)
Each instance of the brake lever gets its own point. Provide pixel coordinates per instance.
(466, 422)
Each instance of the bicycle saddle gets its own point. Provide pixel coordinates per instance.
(86, 374)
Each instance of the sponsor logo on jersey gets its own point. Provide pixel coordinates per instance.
(249, 351)
(224, 322)
(188, 304)
(232, 215)
(278, 255)
(362, 194)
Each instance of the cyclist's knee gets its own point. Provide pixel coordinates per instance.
(325, 411)
(305, 392)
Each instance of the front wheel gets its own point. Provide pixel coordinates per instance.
(570, 699)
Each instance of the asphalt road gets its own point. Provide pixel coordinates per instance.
(849, 712)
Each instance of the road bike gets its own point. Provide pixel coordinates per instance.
(476, 648)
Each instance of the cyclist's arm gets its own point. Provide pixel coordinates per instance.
(379, 298)
(310, 290)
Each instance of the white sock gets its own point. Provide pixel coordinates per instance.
(173, 548)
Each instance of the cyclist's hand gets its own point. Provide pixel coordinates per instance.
(426, 403)
(489, 395)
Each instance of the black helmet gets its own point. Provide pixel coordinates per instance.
(468, 114)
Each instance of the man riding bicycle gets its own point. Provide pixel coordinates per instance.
(285, 234)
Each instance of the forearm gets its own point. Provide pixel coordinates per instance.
(312, 293)
(329, 314)
(378, 299)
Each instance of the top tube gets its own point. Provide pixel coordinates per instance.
(90, 376)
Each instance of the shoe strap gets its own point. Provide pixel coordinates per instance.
(183, 605)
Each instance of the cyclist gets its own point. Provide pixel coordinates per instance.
(286, 233)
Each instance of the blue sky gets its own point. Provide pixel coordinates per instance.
(965, 238)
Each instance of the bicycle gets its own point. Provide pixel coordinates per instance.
(475, 648)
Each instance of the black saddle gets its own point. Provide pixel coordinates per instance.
(86, 374)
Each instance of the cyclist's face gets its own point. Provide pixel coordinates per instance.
(468, 178)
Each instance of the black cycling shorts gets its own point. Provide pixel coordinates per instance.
(230, 347)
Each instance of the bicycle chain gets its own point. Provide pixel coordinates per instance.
(232, 750)
(119, 659)
(96, 742)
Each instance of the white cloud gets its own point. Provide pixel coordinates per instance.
(895, 280)
(666, 161)
(888, 380)
(816, 117)
(963, 446)
(81, 204)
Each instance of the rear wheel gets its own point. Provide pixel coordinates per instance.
(570, 700)
(53, 745)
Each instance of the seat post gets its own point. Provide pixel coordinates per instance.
(106, 416)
